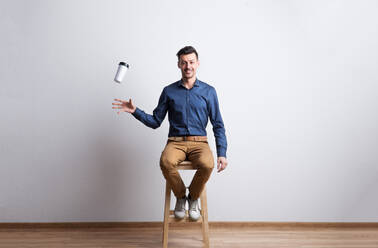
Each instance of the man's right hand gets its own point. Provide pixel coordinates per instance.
(124, 106)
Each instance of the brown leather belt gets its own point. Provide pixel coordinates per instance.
(188, 138)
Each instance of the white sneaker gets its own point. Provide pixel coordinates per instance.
(180, 208)
(194, 212)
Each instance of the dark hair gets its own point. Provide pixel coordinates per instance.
(186, 50)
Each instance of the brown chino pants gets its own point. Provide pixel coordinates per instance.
(199, 153)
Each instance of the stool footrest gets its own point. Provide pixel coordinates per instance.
(172, 217)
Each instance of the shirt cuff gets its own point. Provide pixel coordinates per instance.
(221, 153)
(137, 113)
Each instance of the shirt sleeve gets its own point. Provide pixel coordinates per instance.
(154, 121)
(217, 122)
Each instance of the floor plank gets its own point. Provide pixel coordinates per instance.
(180, 237)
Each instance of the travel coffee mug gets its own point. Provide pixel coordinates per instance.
(121, 72)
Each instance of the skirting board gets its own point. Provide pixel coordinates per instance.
(279, 225)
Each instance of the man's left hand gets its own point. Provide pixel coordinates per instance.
(221, 163)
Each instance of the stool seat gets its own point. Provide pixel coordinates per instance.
(169, 214)
(186, 165)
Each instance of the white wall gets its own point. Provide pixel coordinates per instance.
(296, 80)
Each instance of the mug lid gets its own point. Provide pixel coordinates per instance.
(125, 64)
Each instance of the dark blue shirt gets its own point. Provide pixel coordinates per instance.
(188, 112)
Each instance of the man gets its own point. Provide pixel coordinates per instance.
(189, 103)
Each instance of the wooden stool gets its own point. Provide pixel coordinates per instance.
(169, 214)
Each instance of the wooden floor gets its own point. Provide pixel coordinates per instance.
(220, 236)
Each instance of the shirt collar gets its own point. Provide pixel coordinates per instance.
(196, 83)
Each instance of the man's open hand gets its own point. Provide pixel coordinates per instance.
(221, 163)
(125, 106)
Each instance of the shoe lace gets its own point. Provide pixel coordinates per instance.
(180, 204)
(194, 205)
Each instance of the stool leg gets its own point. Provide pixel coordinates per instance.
(205, 223)
(166, 214)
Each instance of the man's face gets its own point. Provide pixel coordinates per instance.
(188, 64)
